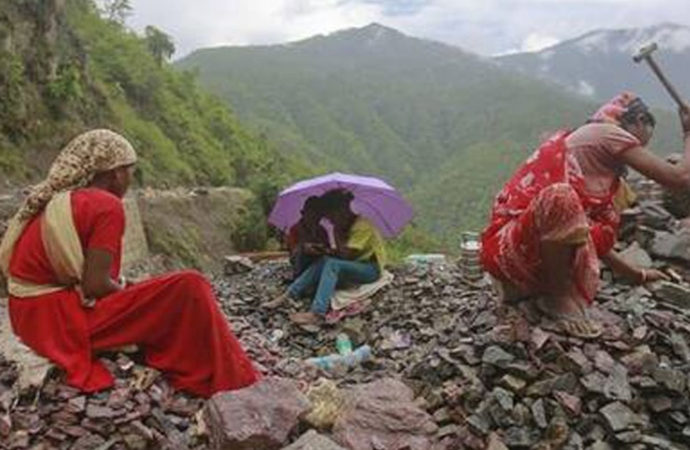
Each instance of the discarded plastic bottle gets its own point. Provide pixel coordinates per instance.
(330, 362)
(343, 344)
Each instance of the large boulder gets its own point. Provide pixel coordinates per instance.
(259, 417)
(382, 414)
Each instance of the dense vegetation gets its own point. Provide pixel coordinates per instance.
(64, 68)
(446, 126)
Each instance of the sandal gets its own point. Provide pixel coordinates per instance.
(305, 318)
(577, 324)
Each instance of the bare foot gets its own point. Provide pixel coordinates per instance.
(276, 302)
(305, 318)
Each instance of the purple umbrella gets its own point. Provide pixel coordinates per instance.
(374, 199)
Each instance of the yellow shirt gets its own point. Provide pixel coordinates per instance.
(366, 238)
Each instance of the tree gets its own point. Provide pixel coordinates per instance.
(160, 44)
(117, 10)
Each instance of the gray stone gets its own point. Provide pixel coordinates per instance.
(496, 356)
(258, 417)
(512, 383)
(567, 382)
(673, 246)
(478, 423)
(672, 293)
(539, 413)
(619, 417)
(670, 379)
(657, 442)
(520, 437)
(617, 386)
(311, 440)
(503, 398)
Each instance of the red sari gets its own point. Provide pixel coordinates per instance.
(546, 200)
(173, 318)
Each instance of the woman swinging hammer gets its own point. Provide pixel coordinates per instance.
(556, 217)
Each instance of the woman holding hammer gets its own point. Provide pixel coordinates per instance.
(557, 216)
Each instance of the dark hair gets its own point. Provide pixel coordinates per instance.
(336, 199)
(313, 203)
(636, 108)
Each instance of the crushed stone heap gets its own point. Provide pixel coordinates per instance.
(451, 369)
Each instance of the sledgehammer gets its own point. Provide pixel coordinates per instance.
(645, 53)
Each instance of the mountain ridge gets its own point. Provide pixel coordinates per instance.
(585, 64)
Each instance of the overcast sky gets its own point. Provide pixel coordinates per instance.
(483, 26)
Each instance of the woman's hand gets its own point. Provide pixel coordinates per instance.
(651, 275)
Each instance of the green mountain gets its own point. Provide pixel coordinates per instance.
(65, 69)
(444, 125)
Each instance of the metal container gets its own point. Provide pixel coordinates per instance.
(469, 256)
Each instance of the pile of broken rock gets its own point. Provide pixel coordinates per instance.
(452, 369)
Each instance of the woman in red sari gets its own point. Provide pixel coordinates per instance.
(556, 217)
(61, 256)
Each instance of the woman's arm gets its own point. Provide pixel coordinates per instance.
(96, 281)
(341, 249)
(636, 275)
(673, 176)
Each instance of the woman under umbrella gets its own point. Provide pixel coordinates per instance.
(359, 257)
(556, 216)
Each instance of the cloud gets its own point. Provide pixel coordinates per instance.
(537, 41)
(482, 26)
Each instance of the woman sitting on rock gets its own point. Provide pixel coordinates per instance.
(307, 240)
(556, 216)
(61, 256)
(359, 257)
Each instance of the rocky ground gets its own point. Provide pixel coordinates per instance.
(451, 369)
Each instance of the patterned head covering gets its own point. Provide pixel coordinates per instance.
(86, 155)
(615, 109)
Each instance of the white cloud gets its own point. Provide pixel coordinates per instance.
(537, 41)
(202, 23)
(483, 26)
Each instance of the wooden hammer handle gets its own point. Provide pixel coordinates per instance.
(667, 84)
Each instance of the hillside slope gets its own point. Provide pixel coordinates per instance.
(64, 69)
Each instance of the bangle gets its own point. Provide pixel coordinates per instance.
(643, 275)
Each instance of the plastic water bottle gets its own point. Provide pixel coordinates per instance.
(352, 359)
(343, 344)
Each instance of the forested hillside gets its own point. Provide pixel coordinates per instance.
(443, 124)
(64, 68)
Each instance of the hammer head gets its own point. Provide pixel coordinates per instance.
(644, 52)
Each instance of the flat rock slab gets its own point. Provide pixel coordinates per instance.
(259, 417)
(383, 415)
(619, 417)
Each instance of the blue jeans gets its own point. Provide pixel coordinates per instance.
(327, 273)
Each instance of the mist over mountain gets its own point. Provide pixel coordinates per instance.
(599, 64)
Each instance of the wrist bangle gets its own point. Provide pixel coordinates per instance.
(643, 275)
